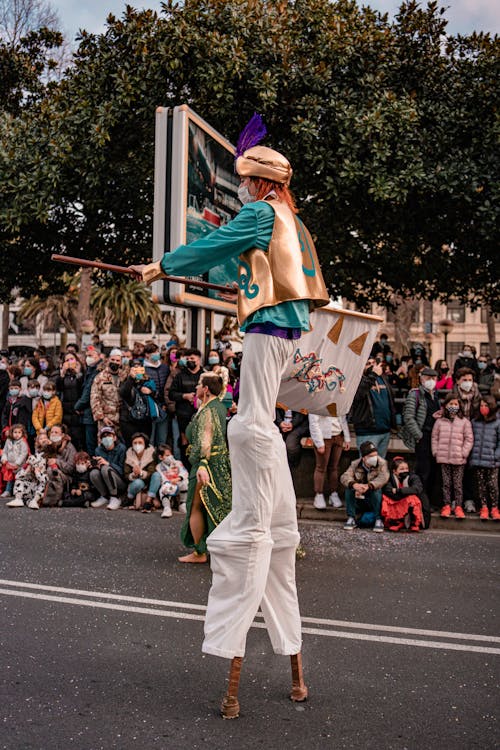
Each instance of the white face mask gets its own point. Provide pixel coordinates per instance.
(371, 460)
(81, 468)
(466, 385)
(55, 438)
(138, 447)
(90, 361)
(429, 385)
(244, 195)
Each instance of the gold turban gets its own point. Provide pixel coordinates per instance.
(261, 161)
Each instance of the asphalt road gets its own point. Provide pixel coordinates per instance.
(100, 633)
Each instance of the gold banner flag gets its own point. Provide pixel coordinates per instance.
(328, 361)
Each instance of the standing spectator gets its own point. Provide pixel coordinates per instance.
(157, 371)
(48, 411)
(380, 347)
(60, 453)
(293, 427)
(467, 392)
(401, 504)
(466, 358)
(364, 480)
(17, 409)
(138, 350)
(69, 385)
(34, 397)
(173, 433)
(4, 382)
(486, 375)
(105, 392)
(452, 440)
(82, 406)
(213, 359)
(135, 415)
(444, 379)
(485, 456)
(139, 468)
(330, 436)
(107, 472)
(420, 411)
(14, 455)
(30, 371)
(182, 392)
(47, 370)
(373, 412)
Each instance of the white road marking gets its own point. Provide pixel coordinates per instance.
(19, 589)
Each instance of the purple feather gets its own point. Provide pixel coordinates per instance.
(252, 134)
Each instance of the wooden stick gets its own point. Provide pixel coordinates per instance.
(84, 263)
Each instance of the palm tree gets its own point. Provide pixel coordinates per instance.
(56, 309)
(122, 303)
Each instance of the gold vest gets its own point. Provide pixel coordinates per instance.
(288, 270)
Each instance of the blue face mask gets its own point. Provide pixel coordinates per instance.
(213, 360)
(183, 361)
(13, 392)
(155, 357)
(108, 441)
(482, 365)
(28, 371)
(33, 392)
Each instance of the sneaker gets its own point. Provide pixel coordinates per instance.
(445, 511)
(101, 502)
(167, 510)
(114, 503)
(6, 494)
(483, 513)
(17, 502)
(319, 501)
(459, 512)
(350, 524)
(335, 500)
(469, 506)
(495, 514)
(33, 505)
(378, 526)
(182, 508)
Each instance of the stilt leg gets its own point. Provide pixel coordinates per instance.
(230, 708)
(299, 689)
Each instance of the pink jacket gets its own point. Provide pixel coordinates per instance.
(452, 440)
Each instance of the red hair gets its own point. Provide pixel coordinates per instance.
(282, 191)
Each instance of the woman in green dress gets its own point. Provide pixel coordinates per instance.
(209, 488)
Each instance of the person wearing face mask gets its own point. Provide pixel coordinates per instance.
(29, 372)
(82, 406)
(485, 457)
(140, 466)
(107, 472)
(486, 376)
(444, 379)
(4, 382)
(69, 386)
(17, 408)
(173, 432)
(137, 394)
(363, 482)
(467, 392)
(80, 492)
(466, 358)
(182, 393)
(105, 400)
(452, 440)
(157, 371)
(14, 454)
(213, 359)
(60, 453)
(373, 412)
(401, 504)
(48, 410)
(420, 411)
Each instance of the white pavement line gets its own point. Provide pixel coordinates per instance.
(311, 620)
(309, 631)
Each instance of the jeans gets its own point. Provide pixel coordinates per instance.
(155, 484)
(159, 432)
(373, 498)
(135, 486)
(90, 438)
(381, 442)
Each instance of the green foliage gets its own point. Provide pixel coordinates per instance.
(391, 127)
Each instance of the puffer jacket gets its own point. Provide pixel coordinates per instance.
(15, 452)
(486, 448)
(47, 413)
(452, 440)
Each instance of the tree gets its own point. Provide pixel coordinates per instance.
(123, 302)
(391, 128)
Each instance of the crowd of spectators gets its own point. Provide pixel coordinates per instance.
(109, 430)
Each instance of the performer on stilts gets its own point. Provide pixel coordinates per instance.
(252, 551)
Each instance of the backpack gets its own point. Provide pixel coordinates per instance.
(139, 408)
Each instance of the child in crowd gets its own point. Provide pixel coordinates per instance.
(107, 470)
(485, 456)
(80, 492)
(170, 481)
(48, 411)
(330, 436)
(451, 443)
(17, 409)
(139, 467)
(60, 452)
(401, 504)
(14, 455)
(31, 481)
(34, 397)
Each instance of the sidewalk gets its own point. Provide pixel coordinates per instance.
(306, 511)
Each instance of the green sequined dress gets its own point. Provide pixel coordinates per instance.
(207, 447)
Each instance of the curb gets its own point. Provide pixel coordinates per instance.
(307, 512)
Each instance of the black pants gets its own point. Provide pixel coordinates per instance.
(426, 468)
(107, 481)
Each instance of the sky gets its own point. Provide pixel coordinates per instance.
(464, 16)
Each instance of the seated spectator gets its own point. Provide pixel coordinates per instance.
(452, 440)
(17, 409)
(364, 480)
(60, 453)
(107, 472)
(293, 427)
(330, 436)
(444, 380)
(485, 457)
(169, 482)
(14, 455)
(31, 481)
(139, 468)
(48, 410)
(401, 504)
(80, 492)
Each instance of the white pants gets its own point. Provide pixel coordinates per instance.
(253, 549)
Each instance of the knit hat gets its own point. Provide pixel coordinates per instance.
(367, 447)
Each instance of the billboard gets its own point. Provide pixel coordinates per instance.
(195, 194)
